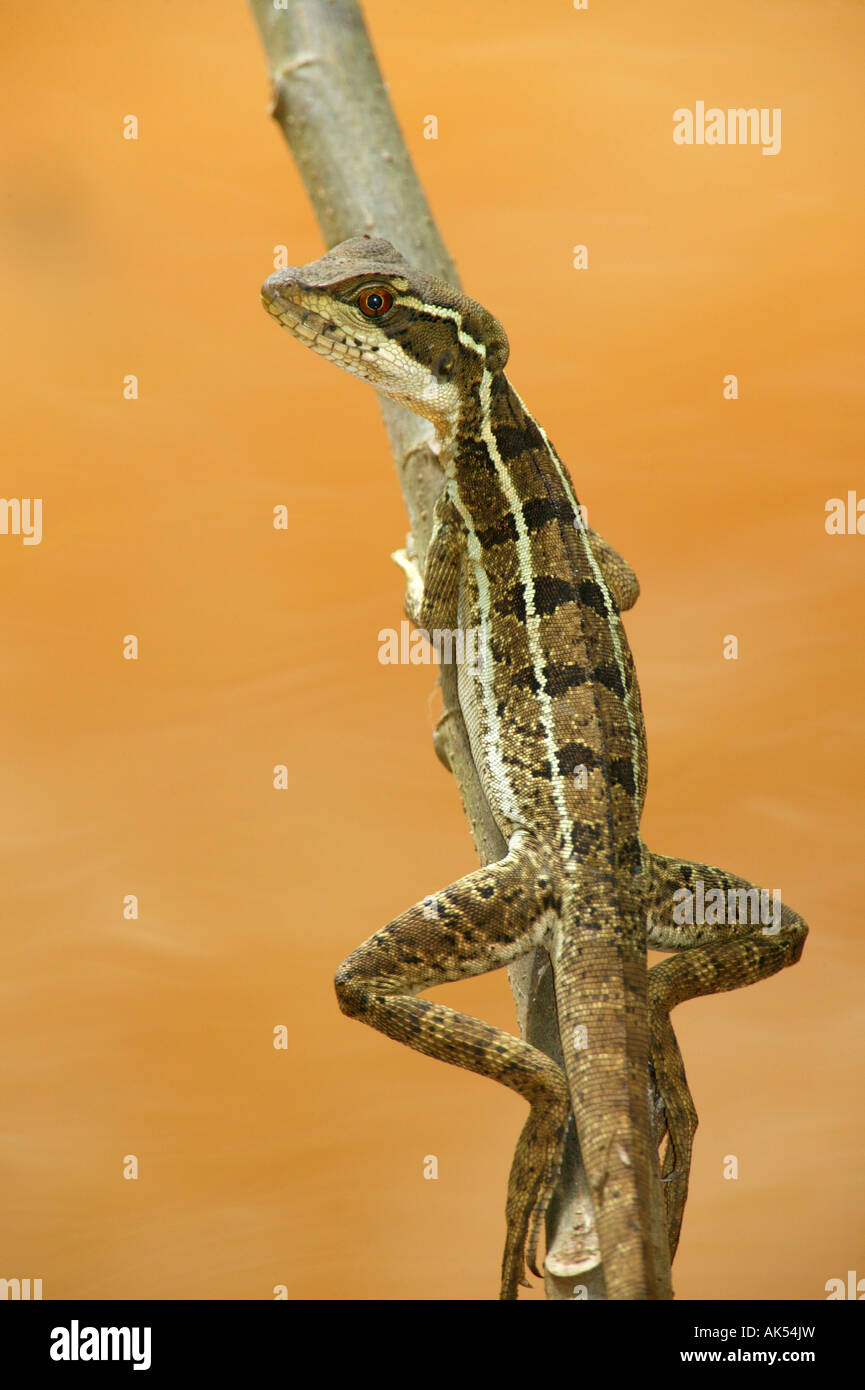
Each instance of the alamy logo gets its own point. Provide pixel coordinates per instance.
(21, 516)
(853, 1288)
(441, 647)
(76, 1343)
(738, 125)
(715, 907)
(20, 1288)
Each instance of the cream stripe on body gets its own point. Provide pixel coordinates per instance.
(492, 738)
(532, 620)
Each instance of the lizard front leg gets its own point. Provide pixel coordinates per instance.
(431, 599)
(720, 954)
(619, 578)
(483, 921)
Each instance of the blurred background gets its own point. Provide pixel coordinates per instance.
(154, 1037)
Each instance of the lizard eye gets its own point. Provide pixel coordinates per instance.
(375, 301)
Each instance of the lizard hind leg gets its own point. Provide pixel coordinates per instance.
(483, 921)
(745, 940)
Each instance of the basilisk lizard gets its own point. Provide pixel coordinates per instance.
(553, 714)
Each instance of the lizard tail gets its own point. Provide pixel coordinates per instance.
(604, 1030)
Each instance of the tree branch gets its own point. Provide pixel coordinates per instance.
(332, 107)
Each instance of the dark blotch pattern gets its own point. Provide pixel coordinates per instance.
(551, 592)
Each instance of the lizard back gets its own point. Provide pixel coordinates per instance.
(553, 707)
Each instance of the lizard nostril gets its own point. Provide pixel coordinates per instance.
(281, 284)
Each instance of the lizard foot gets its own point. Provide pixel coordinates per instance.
(679, 1118)
(534, 1172)
(407, 561)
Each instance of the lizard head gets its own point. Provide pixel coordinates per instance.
(408, 334)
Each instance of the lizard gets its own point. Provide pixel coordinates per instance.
(556, 731)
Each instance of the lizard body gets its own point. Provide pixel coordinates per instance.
(555, 724)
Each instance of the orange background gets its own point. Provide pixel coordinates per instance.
(257, 647)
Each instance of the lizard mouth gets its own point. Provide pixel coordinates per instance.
(289, 304)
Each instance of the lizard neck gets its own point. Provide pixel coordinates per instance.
(496, 447)
(487, 404)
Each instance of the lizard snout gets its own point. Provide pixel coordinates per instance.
(282, 284)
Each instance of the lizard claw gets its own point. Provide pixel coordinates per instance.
(534, 1172)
